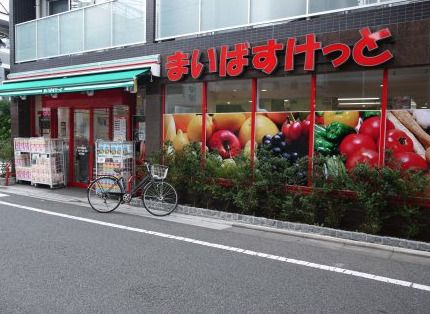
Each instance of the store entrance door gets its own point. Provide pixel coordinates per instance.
(81, 146)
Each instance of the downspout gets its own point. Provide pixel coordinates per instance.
(37, 9)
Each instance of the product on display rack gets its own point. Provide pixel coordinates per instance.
(22, 159)
(40, 161)
(114, 155)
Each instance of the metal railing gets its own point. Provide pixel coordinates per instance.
(101, 26)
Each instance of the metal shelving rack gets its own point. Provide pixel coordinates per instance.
(112, 155)
(47, 162)
(22, 159)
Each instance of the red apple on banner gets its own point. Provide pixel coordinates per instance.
(226, 143)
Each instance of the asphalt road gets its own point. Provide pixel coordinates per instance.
(58, 264)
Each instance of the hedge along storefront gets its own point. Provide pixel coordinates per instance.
(303, 98)
(82, 104)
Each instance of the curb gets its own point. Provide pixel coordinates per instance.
(390, 244)
(319, 237)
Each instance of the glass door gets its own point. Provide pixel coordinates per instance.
(81, 138)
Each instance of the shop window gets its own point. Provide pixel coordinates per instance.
(283, 121)
(168, 22)
(347, 129)
(184, 98)
(121, 120)
(223, 13)
(183, 119)
(229, 96)
(409, 88)
(228, 124)
(266, 10)
(349, 91)
(409, 114)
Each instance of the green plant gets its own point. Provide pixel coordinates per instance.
(5, 127)
(365, 199)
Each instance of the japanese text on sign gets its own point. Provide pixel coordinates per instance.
(232, 62)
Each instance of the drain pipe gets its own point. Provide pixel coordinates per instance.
(37, 7)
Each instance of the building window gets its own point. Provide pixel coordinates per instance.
(266, 10)
(167, 22)
(223, 13)
(57, 6)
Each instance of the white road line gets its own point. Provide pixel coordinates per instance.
(233, 249)
(3, 195)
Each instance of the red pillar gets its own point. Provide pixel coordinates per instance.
(313, 94)
(384, 97)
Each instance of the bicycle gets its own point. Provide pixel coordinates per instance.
(159, 198)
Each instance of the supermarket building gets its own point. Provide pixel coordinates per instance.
(224, 73)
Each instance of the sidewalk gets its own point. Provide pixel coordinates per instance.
(222, 220)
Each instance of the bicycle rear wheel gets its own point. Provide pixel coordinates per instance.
(160, 198)
(104, 194)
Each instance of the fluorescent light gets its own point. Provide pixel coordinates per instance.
(347, 99)
(358, 103)
(286, 100)
(264, 90)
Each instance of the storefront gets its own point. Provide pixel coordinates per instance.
(365, 100)
(81, 105)
(354, 96)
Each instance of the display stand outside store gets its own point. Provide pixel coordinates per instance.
(114, 155)
(40, 161)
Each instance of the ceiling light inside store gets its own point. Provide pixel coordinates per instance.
(358, 103)
(348, 99)
(286, 100)
(228, 102)
(264, 90)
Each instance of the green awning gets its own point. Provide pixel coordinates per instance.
(72, 84)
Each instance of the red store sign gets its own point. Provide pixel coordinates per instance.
(265, 57)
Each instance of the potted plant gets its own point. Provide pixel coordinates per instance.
(6, 157)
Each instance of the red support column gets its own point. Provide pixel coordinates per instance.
(313, 95)
(91, 146)
(111, 123)
(54, 123)
(253, 118)
(163, 110)
(384, 97)
(32, 116)
(204, 114)
(71, 145)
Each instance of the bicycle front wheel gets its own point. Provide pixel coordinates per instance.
(160, 198)
(104, 194)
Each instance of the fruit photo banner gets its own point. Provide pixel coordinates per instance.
(233, 62)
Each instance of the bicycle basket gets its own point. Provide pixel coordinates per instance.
(159, 171)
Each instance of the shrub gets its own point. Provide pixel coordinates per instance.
(367, 199)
